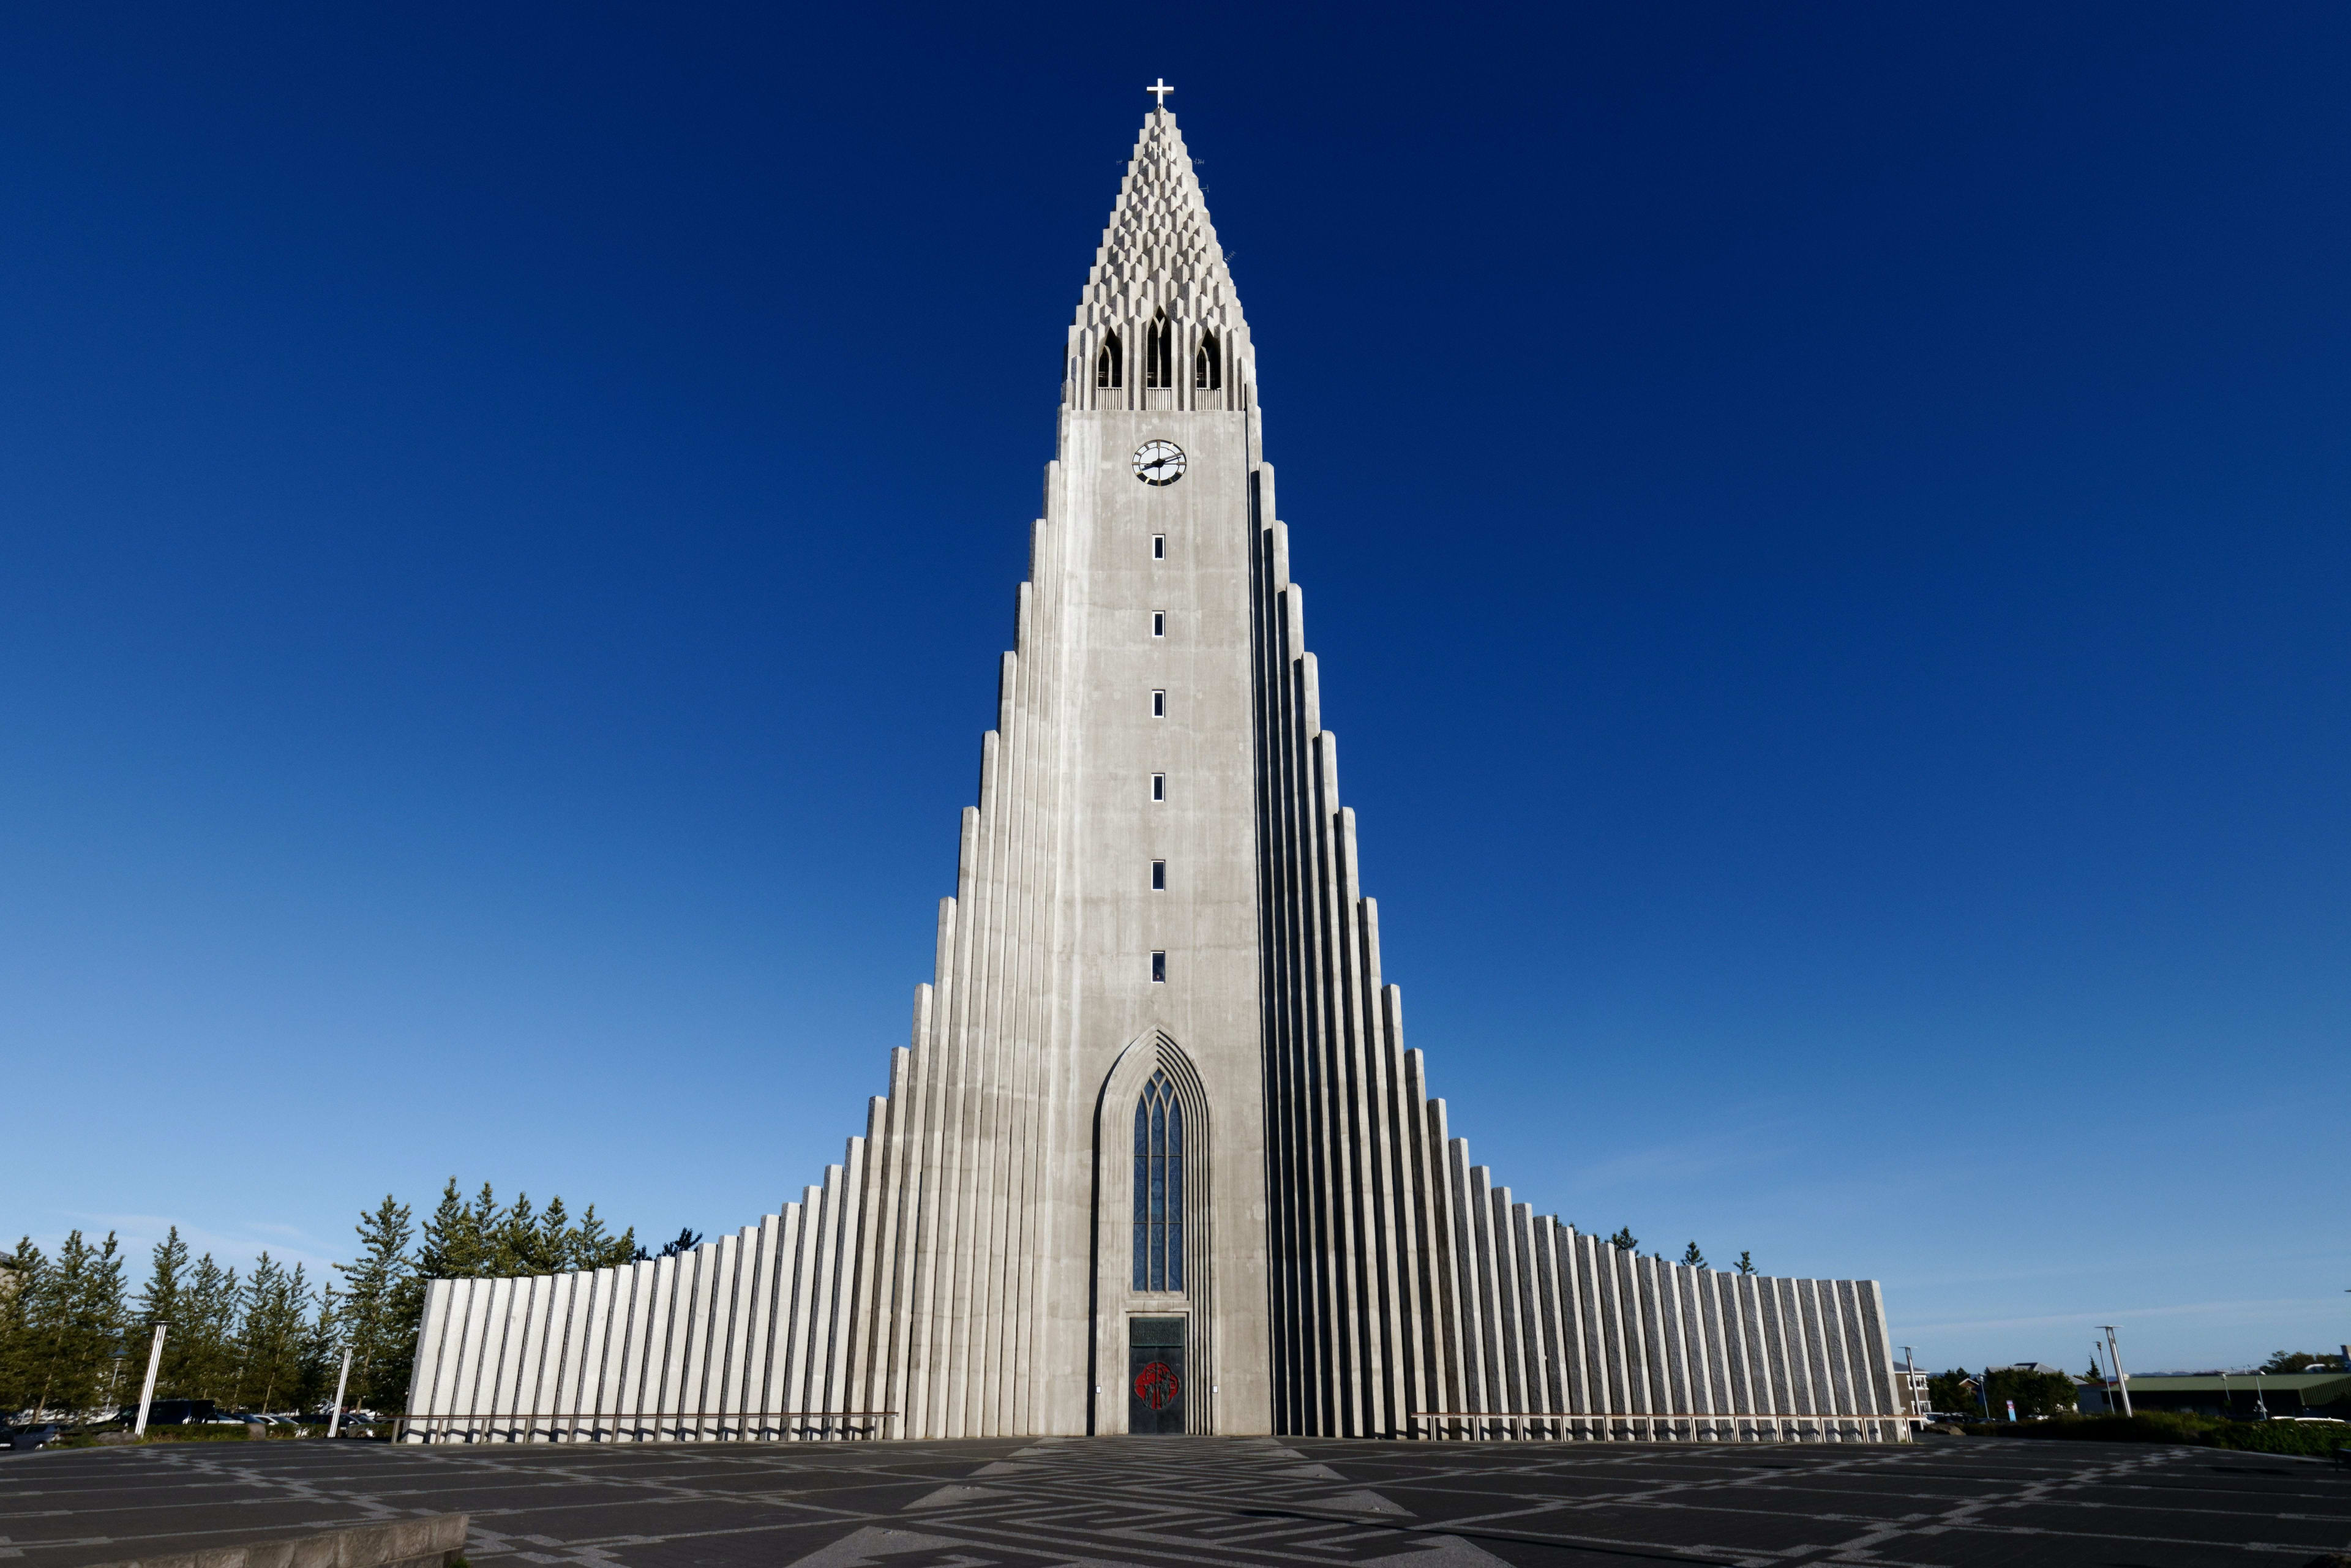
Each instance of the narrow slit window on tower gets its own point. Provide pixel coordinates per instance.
(1159, 547)
(1159, 968)
(1110, 369)
(1159, 1186)
(1159, 786)
(1159, 352)
(1159, 624)
(1158, 877)
(1207, 364)
(1159, 704)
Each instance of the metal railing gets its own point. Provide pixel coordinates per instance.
(650, 1426)
(1626, 1425)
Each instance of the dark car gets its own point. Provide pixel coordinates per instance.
(170, 1413)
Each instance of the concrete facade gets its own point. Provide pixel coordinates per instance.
(1158, 878)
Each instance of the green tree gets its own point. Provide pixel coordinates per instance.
(2036, 1393)
(375, 1296)
(1624, 1241)
(20, 1361)
(511, 1238)
(383, 1303)
(200, 1354)
(1692, 1257)
(1953, 1393)
(270, 1339)
(2282, 1362)
(458, 1243)
(588, 1246)
(76, 1311)
(455, 1245)
(159, 1299)
(322, 1351)
(1746, 1265)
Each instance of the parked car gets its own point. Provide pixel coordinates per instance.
(170, 1413)
(27, 1437)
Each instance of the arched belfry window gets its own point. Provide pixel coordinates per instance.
(1110, 369)
(1159, 352)
(1207, 364)
(1159, 1186)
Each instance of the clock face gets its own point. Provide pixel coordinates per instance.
(1159, 463)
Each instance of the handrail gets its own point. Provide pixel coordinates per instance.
(749, 1424)
(1514, 1421)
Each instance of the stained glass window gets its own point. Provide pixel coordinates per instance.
(1159, 1187)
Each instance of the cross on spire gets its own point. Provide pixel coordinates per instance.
(1159, 90)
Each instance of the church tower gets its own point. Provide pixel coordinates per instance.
(1155, 1158)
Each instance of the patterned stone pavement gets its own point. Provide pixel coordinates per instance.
(1178, 1502)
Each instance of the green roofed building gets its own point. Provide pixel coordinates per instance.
(2241, 1395)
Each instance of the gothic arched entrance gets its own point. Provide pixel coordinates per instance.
(1154, 1325)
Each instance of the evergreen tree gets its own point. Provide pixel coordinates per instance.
(1624, 1241)
(588, 1247)
(511, 1238)
(1693, 1257)
(373, 1313)
(201, 1354)
(550, 1244)
(270, 1339)
(1746, 1264)
(454, 1247)
(159, 1299)
(77, 1307)
(322, 1354)
(20, 1333)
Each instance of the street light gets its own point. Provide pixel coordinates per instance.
(147, 1393)
(2115, 1356)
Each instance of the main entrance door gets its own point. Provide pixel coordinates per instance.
(1155, 1375)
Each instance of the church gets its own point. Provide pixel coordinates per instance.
(1155, 1157)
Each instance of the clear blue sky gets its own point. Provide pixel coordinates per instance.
(1825, 529)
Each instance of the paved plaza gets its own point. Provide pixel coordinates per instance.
(1179, 1502)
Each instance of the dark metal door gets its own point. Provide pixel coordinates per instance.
(1155, 1375)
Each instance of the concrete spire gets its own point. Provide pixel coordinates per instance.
(1159, 256)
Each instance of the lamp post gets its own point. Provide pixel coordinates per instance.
(147, 1393)
(2114, 1358)
(335, 1421)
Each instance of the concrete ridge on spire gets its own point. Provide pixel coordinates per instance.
(1159, 258)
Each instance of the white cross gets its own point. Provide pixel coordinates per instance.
(1159, 91)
